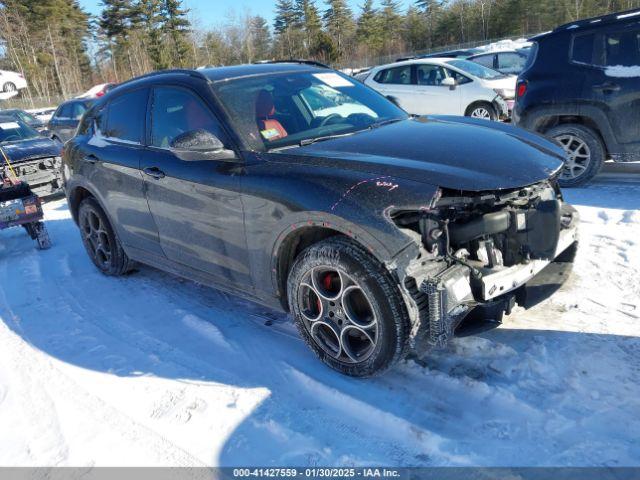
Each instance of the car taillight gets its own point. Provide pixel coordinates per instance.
(522, 89)
(100, 93)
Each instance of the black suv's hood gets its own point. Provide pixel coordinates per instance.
(450, 152)
(38, 147)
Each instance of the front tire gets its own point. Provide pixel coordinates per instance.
(482, 110)
(9, 87)
(585, 153)
(100, 241)
(347, 308)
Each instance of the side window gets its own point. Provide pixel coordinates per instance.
(175, 111)
(126, 115)
(511, 62)
(77, 109)
(458, 77)
(64, 112)
(583, 48)
(486, 60)
(622, 48)
(430, 75)
(397, 75)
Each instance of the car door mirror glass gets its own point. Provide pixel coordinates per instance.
(200, 144)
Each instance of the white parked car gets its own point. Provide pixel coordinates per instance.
(11, 81)
(447, 86)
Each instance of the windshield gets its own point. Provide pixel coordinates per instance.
(294, 108)
(15, 131)
(476, 69)
(26, 117)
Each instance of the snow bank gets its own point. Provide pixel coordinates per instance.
(502, 45)
(149, 369)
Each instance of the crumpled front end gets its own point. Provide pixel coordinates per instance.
(479, 250)
(43, 175)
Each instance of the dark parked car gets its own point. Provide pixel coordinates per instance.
(25, 117)
(64, 121)
(582, 88)
(508, 62)
(34, 159)
(378, 231)
(445, 54)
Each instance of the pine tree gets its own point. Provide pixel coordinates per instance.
(369, 34)
(286, 16)
(339, 23)
(309, 21)
(391, 20)
(176, 27)
(260, 37)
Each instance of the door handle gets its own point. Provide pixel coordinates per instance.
(92, 159)
(607, 87)
(154, 172)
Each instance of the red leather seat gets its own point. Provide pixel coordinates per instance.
(270, 128)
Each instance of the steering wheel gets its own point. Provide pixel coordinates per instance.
(361, 119)
(328, 118)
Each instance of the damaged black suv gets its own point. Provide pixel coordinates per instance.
(297, 187)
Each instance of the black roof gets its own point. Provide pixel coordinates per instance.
(594, 22)
(236, 71)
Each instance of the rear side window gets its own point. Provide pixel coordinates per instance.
(584, 48)
(397, 75)
(126, 116)
(175, 111)
(486, 60)
(510, 62)
(622, 48)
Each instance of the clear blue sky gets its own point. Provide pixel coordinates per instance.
(214, 12)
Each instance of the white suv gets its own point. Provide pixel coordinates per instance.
(448, 86)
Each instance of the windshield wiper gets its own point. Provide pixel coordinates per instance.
(309, 141)
(384, 122)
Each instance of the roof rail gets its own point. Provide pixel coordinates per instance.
(169, 71)
(602, 19)
(294, 60)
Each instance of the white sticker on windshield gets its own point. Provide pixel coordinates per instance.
(8, 125)
(333, 79)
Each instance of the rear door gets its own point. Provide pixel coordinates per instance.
(610, 60)
(397, 83)
(196, 205)
(110, 154)
(431, 96)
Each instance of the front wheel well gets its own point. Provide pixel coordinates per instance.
(293, 244)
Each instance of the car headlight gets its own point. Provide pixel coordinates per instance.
(505, 93)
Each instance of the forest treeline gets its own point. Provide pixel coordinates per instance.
(62, 50)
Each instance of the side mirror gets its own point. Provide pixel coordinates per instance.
(200, 144)
(449, 82)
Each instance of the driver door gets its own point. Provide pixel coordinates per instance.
(195, 204)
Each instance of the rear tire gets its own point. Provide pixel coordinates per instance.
(481, 110)
(585, 153)
(100, 241)
(347, 308)
(9, 87)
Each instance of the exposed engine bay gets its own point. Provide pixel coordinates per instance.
(42, 174)
(479, 248)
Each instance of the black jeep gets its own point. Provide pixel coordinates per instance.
(380, 232)
(581, 87)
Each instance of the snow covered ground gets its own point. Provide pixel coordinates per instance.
(153, 370)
